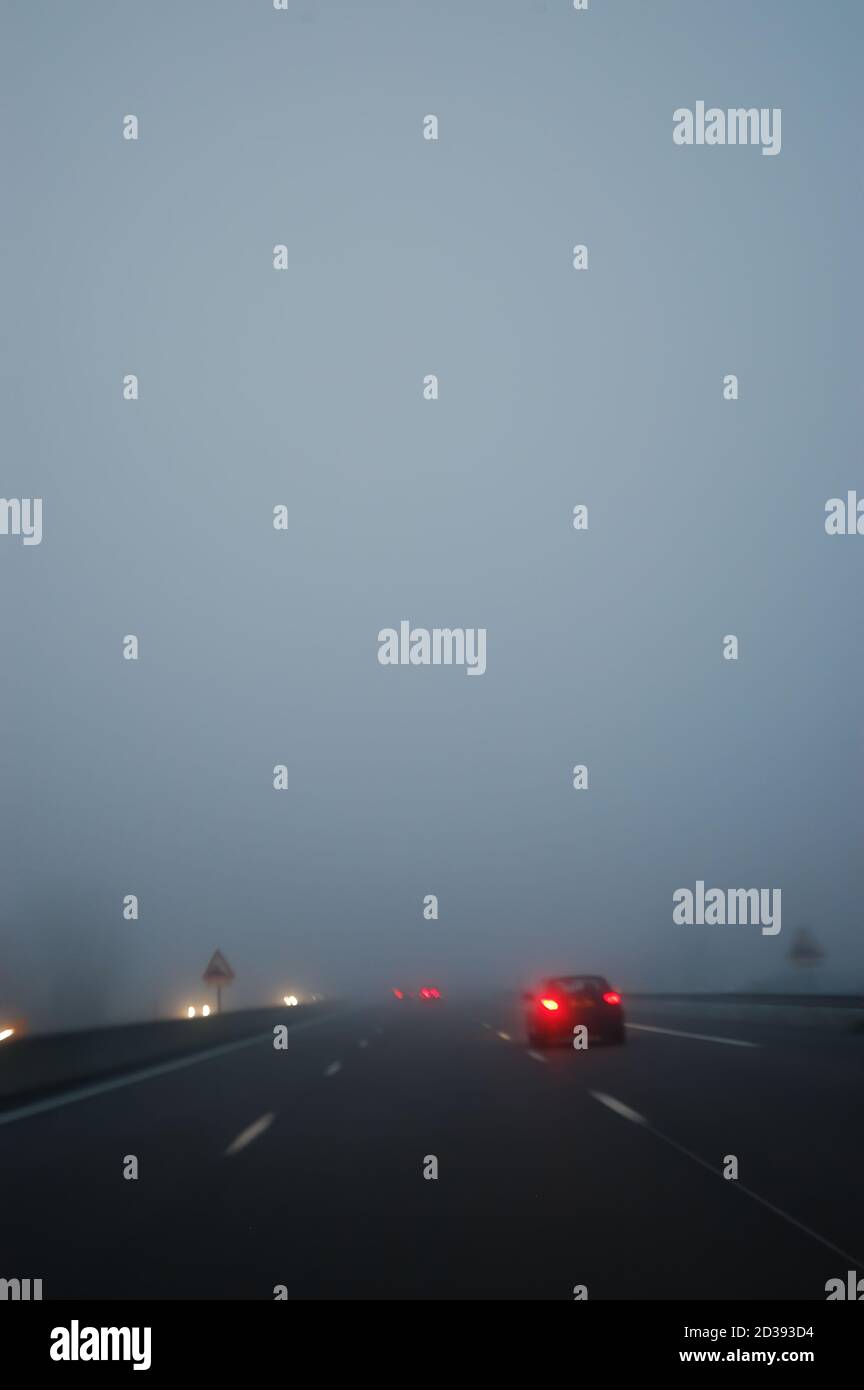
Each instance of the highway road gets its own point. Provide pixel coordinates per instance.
(304, 1167)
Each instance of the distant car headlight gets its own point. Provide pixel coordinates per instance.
(190, 1012)
(6, 1033)
(291, 1000)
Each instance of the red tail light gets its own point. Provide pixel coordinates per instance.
(436, 993)
(610, 997)
(398, 993)
(550, 1004)
(425, 994)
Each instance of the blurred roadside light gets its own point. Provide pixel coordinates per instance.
(190, 1012)
(291, 1000)
(206, 1011)
(6, 1033)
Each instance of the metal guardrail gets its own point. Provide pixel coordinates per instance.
(825, 1001)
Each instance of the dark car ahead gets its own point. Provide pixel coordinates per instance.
(565, 1002)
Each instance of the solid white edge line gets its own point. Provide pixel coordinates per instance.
(700, 1037)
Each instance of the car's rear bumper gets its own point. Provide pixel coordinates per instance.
(602, 1023)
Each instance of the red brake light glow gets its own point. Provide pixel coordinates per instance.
(550, 1004)
(610, 997)
(398, 993)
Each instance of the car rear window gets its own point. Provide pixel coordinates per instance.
(579, 984)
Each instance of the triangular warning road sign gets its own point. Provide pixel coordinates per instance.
(805, 949)
(218, 972)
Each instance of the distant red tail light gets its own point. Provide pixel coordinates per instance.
(398, 993)
(550, 1004)
(435, 993)
(425, 994)
(610, 997)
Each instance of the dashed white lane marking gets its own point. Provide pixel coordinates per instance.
(505, 1036)
(701, 1037)
(619, 1107)
(250, 1134)
(364, 1042)
(333, 1068)
(628, 1114)
(538, 1056)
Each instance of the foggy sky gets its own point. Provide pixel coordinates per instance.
(304, 387)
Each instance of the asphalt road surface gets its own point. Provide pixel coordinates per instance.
(304, 1167)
